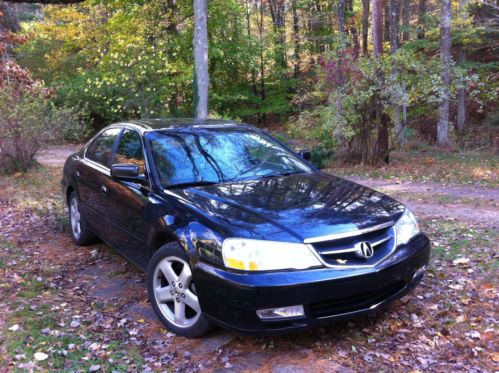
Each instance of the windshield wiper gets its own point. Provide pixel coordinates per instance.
(279, 174)
(191, 184)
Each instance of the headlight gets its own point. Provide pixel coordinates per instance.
(260, 255)
(406, 227)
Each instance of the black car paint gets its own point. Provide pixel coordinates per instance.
(137, 218)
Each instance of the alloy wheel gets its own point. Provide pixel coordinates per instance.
(175, 293)
(75, 217)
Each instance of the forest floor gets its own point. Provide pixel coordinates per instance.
(85, 308)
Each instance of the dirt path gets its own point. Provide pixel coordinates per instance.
(430, 188)
(432, 200)
(57, 155)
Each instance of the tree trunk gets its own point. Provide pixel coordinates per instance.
(201, 57)
(248, 6)
(445, 58)
(296, 40)
(394, 27)
(380, 151)
(461, 100)
(386, 19)
(340, 79)
(421, 19)
(353, 30)
(341, 19)
(365, 26)
(461, 93)
(406, 6)
(263, 94)
(394, 45)
(377, 28)
(171, 9)
(318, 25)
(276, 8)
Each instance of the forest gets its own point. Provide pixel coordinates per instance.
(356, 77)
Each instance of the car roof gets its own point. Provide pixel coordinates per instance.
(180, 123)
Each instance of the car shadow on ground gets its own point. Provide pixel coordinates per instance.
(114, 284)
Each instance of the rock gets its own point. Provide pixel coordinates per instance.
(214, 341)
(94, 368)
(75, 324)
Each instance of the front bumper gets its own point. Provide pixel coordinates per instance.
(232, 298)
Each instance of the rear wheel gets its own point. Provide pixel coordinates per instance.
(80, 230)
(173, 293)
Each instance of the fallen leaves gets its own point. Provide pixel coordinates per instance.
(473, 334)
(40, 356)
(461, 261)
(93, 321)
(14, 328)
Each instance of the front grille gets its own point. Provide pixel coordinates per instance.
(342, 252)
(355, 303)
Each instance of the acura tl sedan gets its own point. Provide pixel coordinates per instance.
(233, 228)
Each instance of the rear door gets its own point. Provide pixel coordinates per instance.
(93, 174)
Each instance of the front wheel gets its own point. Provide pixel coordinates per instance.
(173, 293)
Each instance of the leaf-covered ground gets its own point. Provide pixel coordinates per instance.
(427, 164)
(85, 308)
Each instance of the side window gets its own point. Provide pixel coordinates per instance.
(129, 150)
(101, 149)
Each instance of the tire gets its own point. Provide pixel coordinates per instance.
(172, 292)
(80, 230)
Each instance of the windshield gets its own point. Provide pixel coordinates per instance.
(205, 156)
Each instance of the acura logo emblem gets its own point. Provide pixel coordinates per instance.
(364, 250)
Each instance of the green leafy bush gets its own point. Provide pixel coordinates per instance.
(320, 154)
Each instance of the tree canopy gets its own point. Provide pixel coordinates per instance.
(307, 64)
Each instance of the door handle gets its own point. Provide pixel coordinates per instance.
(103, 189)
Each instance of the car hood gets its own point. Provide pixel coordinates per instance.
(295, 207)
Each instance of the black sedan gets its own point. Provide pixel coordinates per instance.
(234, 228)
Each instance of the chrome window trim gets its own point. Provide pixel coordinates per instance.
(106, 170)
(87, 145)
(97, 166)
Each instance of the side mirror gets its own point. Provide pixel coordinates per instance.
(127, 172)
(305, 154)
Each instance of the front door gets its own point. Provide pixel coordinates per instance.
(127, 201)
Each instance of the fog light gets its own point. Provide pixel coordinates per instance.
(281, 312)
(419, 271)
